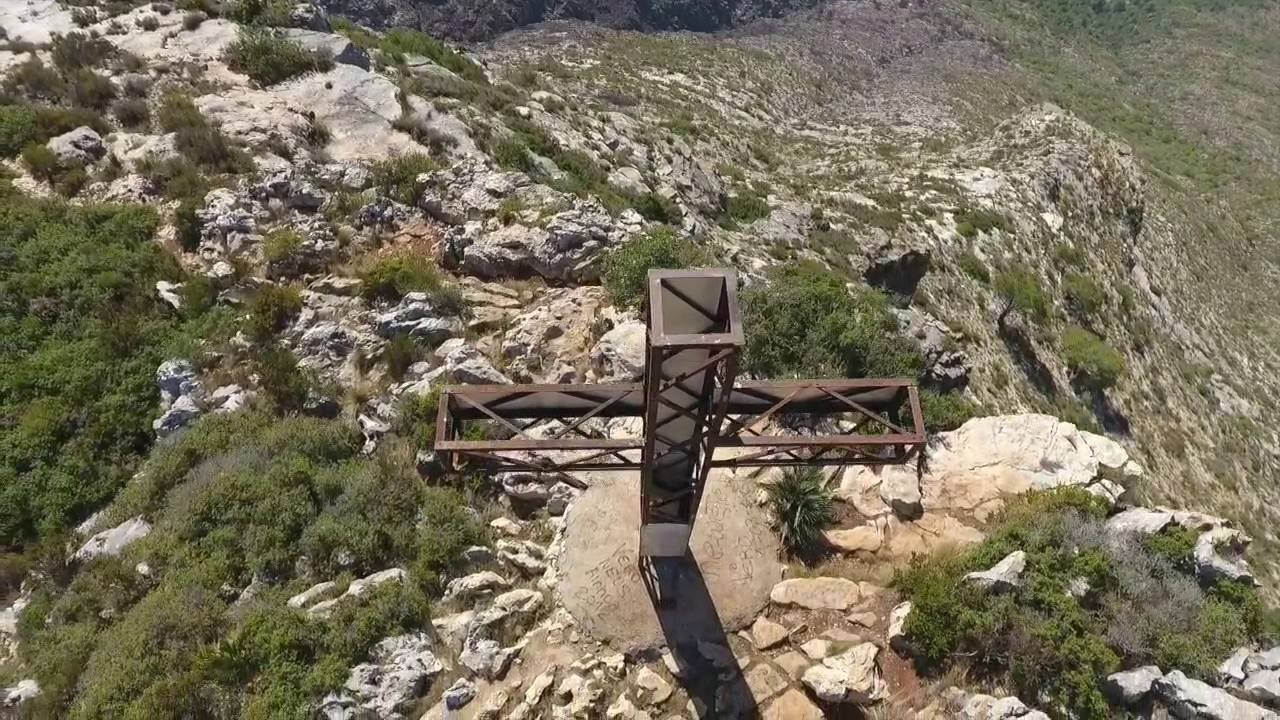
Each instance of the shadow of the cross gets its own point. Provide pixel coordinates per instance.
(707, 667)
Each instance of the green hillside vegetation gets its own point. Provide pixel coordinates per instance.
(237, 499)
(82, 331)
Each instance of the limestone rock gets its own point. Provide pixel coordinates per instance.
(19, 694)
(986, 707)
(79, 146)
(792, 705)
(338, 47)
(481, 583)
(851, 676)
(792, 663)
(816, 593)
(764, 681)
(1193, 700)
(1003, 576)
(400, 672)
(653, 690)
(1130, 687)
(311, 595)
(419, 316)
(1139, 521)
(766, 633)
(864, 538)
(113, 541)
(619, 356)
(1218, 555)
(459, 694)
(897, 635)
(901, 492)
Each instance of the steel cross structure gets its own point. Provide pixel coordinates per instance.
(695, 415)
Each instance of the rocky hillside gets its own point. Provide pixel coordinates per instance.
(471, 20)
(243, 242)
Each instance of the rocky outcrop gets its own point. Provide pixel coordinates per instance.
(400, 670)
(987, 707)
(850, 677)
(113, 541)
(1004, 576)
(1190, 699)
(1253, 675)
(79, 146)
(1131, 687)
(817, 593)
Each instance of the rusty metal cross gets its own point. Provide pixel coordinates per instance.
(696, 415)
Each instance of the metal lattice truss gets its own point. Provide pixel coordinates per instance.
(689, 415)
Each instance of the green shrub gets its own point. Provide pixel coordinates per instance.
(284, 384)
(262, 13)
(399, 41)
(197, 140)
(1069, 255)
(132, 113)
(87, 88)
(41, 163)
(19, 127)
(359, 36)
(397, 176)
(1094, 363)
(269, 58)
(179, 180)
(946, 411)
(179, 112)
(272, 309)
(744, 208)
(970, 222)
(804, 322)
(1019, 289)
(513, 154)
(391, 277)
(1084, 296)
(972, 265)
(34, 80)
(802, 507)
(626, 269)
(659, 209)
(76, 50)
(416, 418)
(193, 20)
(400, 353)
(83, 332)
(1144, 605)
(281, 243)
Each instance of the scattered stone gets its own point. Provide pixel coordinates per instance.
(469, 586)
(766, 633)
(1139, 521)
(897, 634)
(717, 654)
(1130, 687)
(901, 492)
(864, 538)
(792, 705)
(505, 526)
(864, 619)
(452, 629)
(619, 356)
(113, 541)
(19, 694)
(817, 648)
(821, 593)
(986, 707)
(653, 690)
(793, 663)
(1192, 699)
(80, 146)
(851, 676)
(401, 671)
(1212, 565)
(764, 681)
(1003, 576)
(312, 594)
(367, 583)
(459, 694)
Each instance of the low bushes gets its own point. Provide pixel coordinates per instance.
(1020, 290)
(804, 322)
(1084, 296)
(239, 498)
(83, 332)
(626, 269)
(397, 176)
(946, 411)
(391, 277)
(1095, 365)
(1143, 606)
(743, 208)
(400, 41)
(269, 58)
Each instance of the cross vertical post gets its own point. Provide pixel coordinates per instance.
(695, 337)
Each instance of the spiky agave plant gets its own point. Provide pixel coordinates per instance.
(802, 507)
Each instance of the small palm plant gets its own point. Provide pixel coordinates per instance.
(802, 508)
